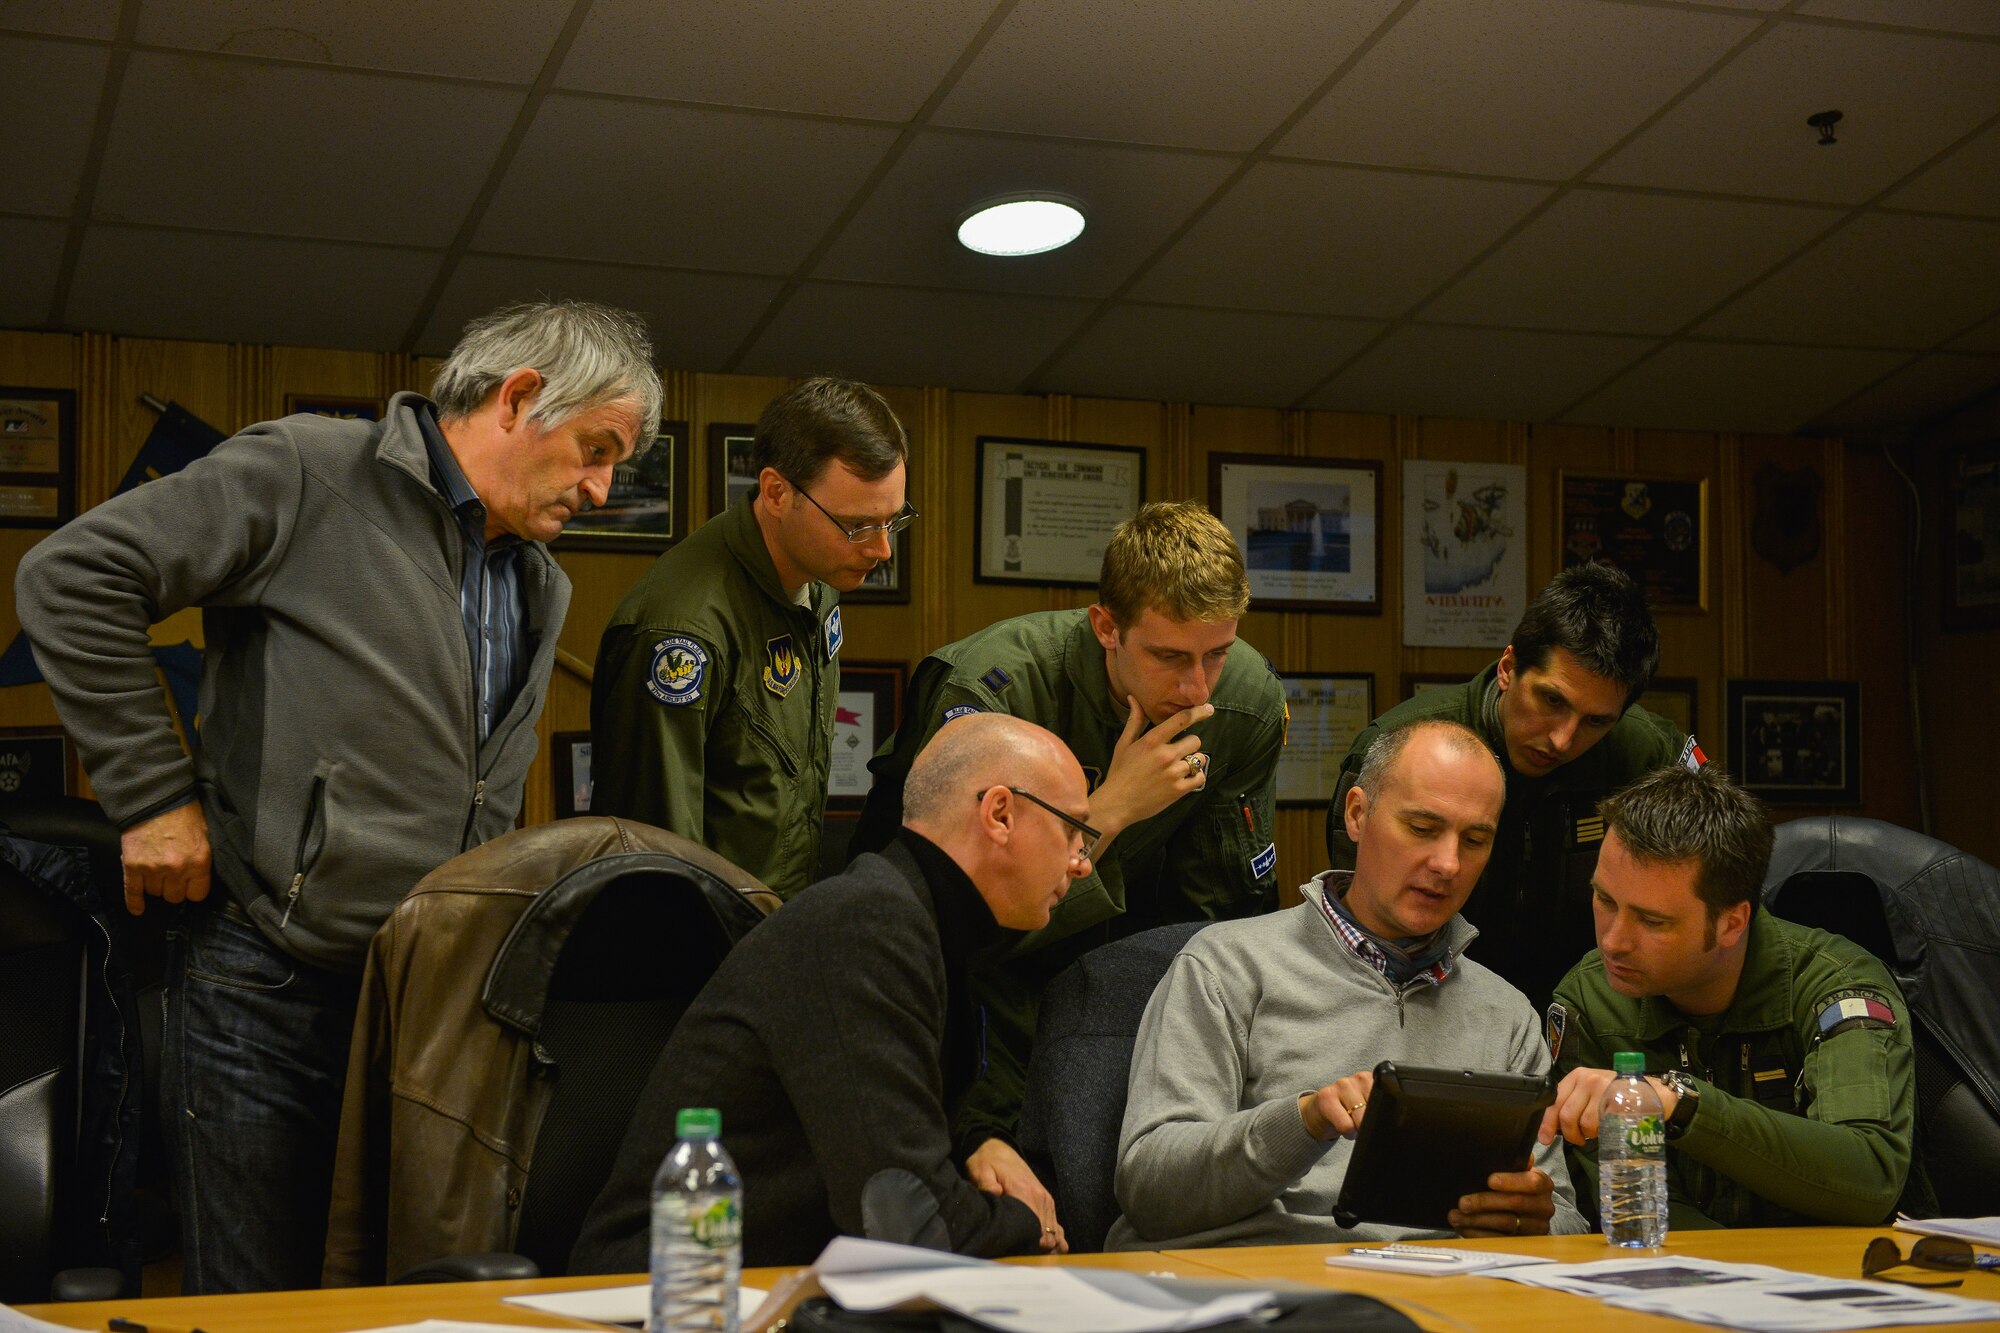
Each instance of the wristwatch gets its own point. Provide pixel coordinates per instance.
(1687, 1095)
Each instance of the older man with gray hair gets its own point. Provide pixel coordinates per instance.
(381, 617)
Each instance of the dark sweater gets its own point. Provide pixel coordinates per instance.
(823, 1041)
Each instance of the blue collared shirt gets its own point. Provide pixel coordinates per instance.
(489, 587)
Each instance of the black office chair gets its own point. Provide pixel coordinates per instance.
(1074, 1102)
(1931, 913)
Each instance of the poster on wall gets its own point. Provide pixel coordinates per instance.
(1465, 556)
(868, 710)
(1328, 712)
(1310, 528)
(1045, 509)
(1653, 528)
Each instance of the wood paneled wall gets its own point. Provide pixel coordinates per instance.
(1841, 614)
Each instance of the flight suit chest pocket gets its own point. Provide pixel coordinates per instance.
(767, 732)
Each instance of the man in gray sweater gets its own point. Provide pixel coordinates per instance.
(1219, 1145)
(381, 617)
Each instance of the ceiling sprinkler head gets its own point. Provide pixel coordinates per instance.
(1824, 122)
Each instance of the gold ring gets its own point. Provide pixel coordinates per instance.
(1050, 1231)
(1356, 1107)
(1194, 765)
(1517, 1224)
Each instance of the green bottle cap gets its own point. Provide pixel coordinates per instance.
(1623, 1063)
(698, 1122)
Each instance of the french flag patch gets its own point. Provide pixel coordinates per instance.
(1692, 758)
(1855, 1011)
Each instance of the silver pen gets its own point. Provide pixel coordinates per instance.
(1405, 1252)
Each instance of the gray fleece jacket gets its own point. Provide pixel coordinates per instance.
(1253, 1013)
(340, 759)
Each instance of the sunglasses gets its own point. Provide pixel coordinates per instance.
(1939, 1252)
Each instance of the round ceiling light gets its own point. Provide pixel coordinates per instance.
(1021, 224)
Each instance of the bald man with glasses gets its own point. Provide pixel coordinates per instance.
(712, 708)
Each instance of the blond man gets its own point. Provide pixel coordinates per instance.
(1178, 725)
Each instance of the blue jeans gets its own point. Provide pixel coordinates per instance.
(254, 1061)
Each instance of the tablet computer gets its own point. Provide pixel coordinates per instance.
(1432, 1136)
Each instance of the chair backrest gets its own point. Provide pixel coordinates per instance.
(651, 937)
(1074, 1103)
(1931, 913)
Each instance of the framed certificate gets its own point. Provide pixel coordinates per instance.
(1044, 510)
(1653, 528)
(647, 507)
(569, 759)
(1310, 529)
(1328, 712)
(868, 712)
(37, 457)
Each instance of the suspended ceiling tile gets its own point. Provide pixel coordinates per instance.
(1904, 98)
(48, 101)
(1747, 387)
(1967, 181)
(1195, 73)
(907, 232)
(503, 40)
(879, 59)
(689, 187)
(1506, 88)
(1970, 16)
(28, 278)
(1925, 391)
(1628, 263)
(1496, 374)
(69, 18)
(697, 319)
(1334, 240)
(958, 340)
(1186, 355)
(1985, 338)
(203, 142)
(1885, 280)
(162, 284)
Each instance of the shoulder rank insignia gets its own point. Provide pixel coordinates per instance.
(1692, 758)
(679, 665)
(1590, 829)
(1854, 1011)
(1558, 1025)
(781, 665)
(996, 680)
(833, 635)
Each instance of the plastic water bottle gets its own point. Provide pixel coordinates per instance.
(1632, 1157)
(697, 1231)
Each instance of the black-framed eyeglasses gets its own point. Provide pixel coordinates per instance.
(862, 532)
(1946, 1253)
(1091, 837)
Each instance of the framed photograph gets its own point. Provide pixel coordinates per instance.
(1044, 509)
(569, 763)
(867, 713)
(37, 457)
(1797, 742)
(1972, 536)
(1675, 698)
(1653, 528)
(323, 405)
(1465, 553)
(1310, 529)
(1328, 712)
(1423, 682)
(36, 761)
(647, 509)
(889, 581)
(730, 475)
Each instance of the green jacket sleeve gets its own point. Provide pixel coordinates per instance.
(1846, 1159)
(648, 757)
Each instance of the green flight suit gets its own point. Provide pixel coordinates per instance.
(711, 713)
(1532, 905)
(1808, 1104)
(1211, 854)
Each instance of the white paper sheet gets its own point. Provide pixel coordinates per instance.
(1030, 1300)
(1460, 1261)
(1978, 1230)
(1610, 1279)
(617, 1305)
(13, 1321)
(1814, 1305)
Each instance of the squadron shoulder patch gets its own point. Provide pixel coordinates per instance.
(1854, 1010)
(1557, 1028)
(1692, 758)
(996, 680)
(1264, 862)
(781, 665)
(833, 634)
(679, 667)
(957, 711)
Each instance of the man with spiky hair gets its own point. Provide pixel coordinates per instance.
(381, 618)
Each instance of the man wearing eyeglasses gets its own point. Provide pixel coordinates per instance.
(712, 708)
(1782, 1054)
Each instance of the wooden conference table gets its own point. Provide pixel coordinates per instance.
(1441, 1304)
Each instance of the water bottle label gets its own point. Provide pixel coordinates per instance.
(718, 1226)
(1647, 1134)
